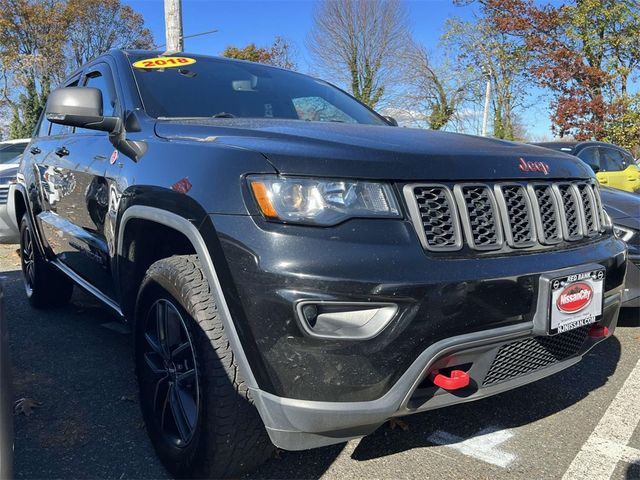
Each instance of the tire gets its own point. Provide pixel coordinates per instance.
(225, 437)
(46, 286)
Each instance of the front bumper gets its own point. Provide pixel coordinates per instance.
(631, 294)
(313, 391)
(301, 424)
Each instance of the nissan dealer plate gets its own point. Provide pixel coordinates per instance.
(576, 300)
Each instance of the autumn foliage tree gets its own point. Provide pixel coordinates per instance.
(584, 52)
(279, 54)
(97, 26)
(42, 40)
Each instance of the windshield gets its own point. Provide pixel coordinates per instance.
(10, 151)
(219, 88)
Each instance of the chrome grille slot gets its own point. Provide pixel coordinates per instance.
(571, 211)
(517, 215)
(479, 214)
(504, 215)
(435, 207)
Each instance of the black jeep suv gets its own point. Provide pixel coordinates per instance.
(295, 269)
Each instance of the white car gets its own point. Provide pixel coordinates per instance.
(10, 154)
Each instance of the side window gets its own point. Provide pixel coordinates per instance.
(611, 160)
(591, 157)
(628, 159)
(101, 79)
(57, 129)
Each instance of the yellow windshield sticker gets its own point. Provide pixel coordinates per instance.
(164, 62)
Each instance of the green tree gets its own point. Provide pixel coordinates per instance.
(491, 55)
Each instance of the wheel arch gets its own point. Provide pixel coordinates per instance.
(187, 230)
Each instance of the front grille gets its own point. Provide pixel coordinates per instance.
(490, 216)
(4, 195)
(521, 357)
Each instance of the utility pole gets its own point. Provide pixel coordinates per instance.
(173, 25)
(487, 95)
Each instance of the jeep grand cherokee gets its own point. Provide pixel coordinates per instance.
(297, 270)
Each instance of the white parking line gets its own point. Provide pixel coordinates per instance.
(607, 444)
(483, 446)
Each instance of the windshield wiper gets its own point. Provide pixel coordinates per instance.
(223, 115)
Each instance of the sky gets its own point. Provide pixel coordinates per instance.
(240, 22)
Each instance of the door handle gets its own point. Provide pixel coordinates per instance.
(35, 150)
(62, 152)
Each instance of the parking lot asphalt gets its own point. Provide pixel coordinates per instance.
(76, 364)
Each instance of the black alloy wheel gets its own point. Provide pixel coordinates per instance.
(27, 258)
(172, 387)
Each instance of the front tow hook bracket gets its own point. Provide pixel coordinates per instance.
(599, 331)
(456, 380)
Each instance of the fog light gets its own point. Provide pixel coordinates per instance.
(344, 320)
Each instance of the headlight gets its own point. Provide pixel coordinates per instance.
(8, 175)
(623, 233)
(322, 202)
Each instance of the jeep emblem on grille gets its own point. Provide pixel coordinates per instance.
(575, 297)
(526, 166)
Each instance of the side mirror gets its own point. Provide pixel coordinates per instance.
(392, 121)
(79, 107)
(595, 168)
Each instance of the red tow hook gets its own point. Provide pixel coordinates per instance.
(456, 380)
(598, 331)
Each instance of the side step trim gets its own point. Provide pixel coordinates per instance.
(82, 283)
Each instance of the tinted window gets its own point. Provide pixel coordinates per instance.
(99, 81)
(212, 87)
(102, 80)
(10, 151)
(612, 160)
(591, 157)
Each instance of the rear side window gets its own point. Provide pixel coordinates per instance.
(102, 79)
(612, 160)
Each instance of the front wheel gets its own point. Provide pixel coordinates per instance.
(45, 285)
(197, 409)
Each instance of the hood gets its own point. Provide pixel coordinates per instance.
(297, 147)
(622, 207)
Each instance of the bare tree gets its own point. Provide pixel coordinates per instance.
(434, 92)
(359, 43)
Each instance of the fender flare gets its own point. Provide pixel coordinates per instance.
(189, 230)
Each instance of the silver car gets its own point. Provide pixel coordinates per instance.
(10, 155)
